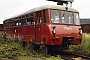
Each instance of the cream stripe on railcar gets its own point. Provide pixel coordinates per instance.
(45, 7)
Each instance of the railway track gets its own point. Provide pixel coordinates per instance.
(69, 56)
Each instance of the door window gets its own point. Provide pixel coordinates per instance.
(39, 17)
(55, 16)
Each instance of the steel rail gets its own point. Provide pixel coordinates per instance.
(68, 56)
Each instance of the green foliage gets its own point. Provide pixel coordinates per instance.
(83, 48)
(11, 49)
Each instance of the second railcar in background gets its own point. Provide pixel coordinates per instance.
(51, 25)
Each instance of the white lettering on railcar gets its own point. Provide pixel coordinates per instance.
(67, 28)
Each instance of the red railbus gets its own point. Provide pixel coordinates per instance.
(51, 25)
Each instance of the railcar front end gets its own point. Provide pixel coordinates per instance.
(64, 28)
(65, 35)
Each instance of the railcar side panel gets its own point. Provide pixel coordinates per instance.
(28, 33)
(46, 35)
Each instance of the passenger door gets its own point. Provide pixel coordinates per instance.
(38, 27)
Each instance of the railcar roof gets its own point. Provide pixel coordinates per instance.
(45, 7)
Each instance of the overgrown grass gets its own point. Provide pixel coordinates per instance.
(11, 49)
(83, 48)
(33, 58)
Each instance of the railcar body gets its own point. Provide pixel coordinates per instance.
(51, 25)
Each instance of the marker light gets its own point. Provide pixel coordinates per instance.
(81, 32)
(54, 31)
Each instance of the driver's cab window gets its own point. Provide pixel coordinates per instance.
(67, 17)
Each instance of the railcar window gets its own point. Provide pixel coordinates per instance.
(66, 17)
(14, 23)
(27, 15)
(55, 16)
(17, 24)
(37, 17)
(19, 17)
(10, 24)
(30, 21)
(23, 16)
(21, 22)
(76, 19)
(40, 18)
(6, 24)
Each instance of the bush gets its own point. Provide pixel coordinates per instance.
(10, 48)
(83, 48)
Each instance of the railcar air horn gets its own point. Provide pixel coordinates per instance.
(60, 2)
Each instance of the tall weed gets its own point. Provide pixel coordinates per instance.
(83, 48)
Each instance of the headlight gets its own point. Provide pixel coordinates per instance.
(54, 31)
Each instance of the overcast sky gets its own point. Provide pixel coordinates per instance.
(13, 7)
